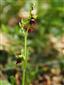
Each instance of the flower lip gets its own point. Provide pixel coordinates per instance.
(30, 29)
(19, 60)
(32, 21)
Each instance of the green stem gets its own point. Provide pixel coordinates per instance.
(25, 61)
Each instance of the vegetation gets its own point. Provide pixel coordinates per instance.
(31, 39)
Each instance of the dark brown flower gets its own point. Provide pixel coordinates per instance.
(19, 60)
(31, 26)
(32, 21)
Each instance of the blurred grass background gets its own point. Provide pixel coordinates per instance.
(46, 43)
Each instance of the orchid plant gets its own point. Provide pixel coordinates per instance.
(27, 25)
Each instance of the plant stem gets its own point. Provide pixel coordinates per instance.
(25, 60)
